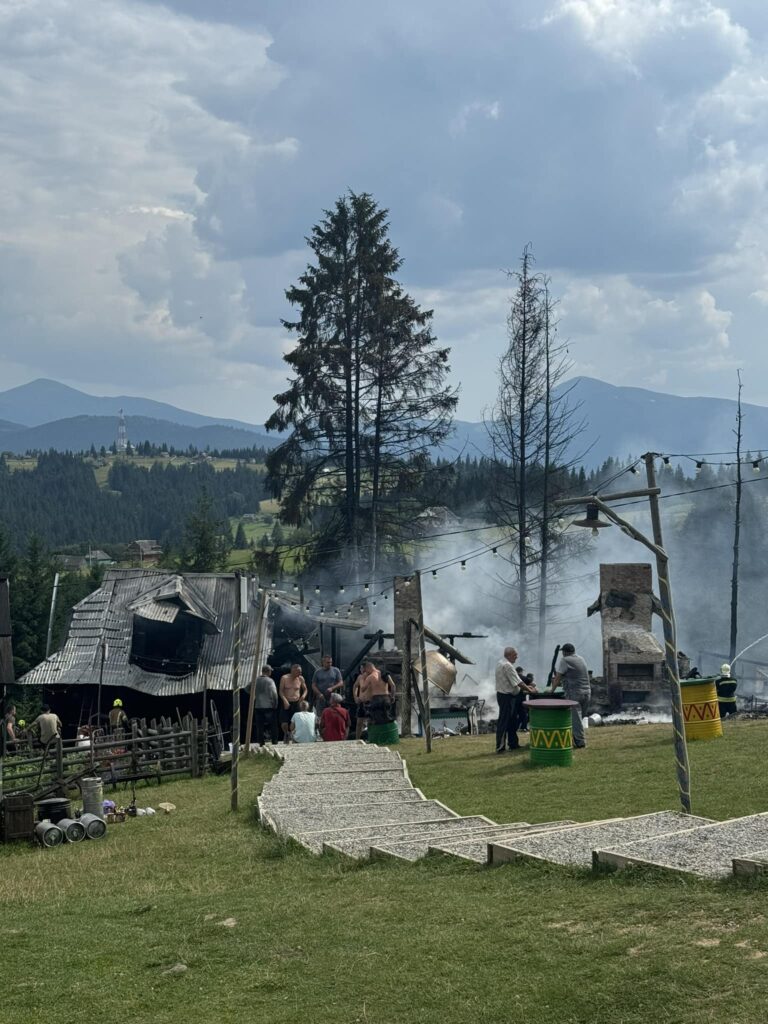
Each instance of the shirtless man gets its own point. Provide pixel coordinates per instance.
(292, 691)
(371, 692)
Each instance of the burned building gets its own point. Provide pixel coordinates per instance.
(633, 658)
(167, 635)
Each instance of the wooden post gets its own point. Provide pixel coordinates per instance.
(424, 680)
(59, 752)
(204, 748)
(670, 641)
(135, 748)
(407, 606)
(241, 598)
(194, 750)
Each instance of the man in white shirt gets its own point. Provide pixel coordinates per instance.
(507, 688)
(304, 725)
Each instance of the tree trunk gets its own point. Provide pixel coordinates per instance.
(736, 536)
(544, 558)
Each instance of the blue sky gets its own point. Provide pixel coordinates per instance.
(160, 165)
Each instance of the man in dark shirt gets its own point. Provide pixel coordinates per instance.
(572, 671)
(325, 681)
(265, 706)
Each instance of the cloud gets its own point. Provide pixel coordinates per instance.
(469, 111)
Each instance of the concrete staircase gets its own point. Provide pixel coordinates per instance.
(357, 801)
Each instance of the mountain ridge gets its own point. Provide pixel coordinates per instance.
(621, 421)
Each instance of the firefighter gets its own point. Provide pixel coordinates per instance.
(726, 691)
(118, 719)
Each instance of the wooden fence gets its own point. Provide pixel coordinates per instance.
(158, 750)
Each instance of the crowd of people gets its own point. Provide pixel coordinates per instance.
(514, 686)
(294, 713)
(18, 735)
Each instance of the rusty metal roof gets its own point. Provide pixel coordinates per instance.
(107, 616)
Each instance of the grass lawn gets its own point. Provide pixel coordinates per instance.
(90, 929)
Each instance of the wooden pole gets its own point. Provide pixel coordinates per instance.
(424, 674)
(258, 659)
(241, 598)
(51, 615)
(670, 641)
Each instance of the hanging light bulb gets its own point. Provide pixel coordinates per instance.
(666, 461)
(698, 467)
(397, 593)
(295, 586)
(633, 470)
(317, 589)
(341, 589)
(336, 613)
(434, 574)
(386, 597)
(367, 587)
(561, 523)
(494, 552)
(322, 609)
(373, 603)
(408, 581)
(463, 566)
(756, 466)
(592, 520)
(273, 584)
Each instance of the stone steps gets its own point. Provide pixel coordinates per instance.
(288, 823)
(383, 796)
(573, 846)
(749, 867)
(707, 851)
(352, 781)
(356, 843)
(475, 847)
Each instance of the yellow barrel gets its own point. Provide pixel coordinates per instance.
(700, 709)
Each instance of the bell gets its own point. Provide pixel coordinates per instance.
(593, 520)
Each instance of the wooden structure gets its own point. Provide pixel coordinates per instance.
(153, 751)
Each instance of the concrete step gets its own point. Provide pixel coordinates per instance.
(345, 768)
(749, 867)
(707, 851)
(292, 824)
(574, 845)
(301, 800)
(475, 846)
(340, 838)
(371, 781)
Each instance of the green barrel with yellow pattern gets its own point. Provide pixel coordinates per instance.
(550, 730)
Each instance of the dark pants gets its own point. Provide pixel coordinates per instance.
(520, 713)
(265, 720)
(505, 730)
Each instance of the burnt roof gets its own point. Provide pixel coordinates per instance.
(106, 616)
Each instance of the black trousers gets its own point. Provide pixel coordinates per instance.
(506, 730)
(265, 720)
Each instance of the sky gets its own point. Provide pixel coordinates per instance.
(161, 165)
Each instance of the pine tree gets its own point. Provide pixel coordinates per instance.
(205, 547)
(241, 541)
(367, 397)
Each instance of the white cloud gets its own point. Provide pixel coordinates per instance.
(469, 111)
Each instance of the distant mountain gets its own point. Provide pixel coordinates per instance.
(78, 433)
(620, 421)
(44, 401)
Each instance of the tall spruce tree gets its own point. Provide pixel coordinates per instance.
(367, 396)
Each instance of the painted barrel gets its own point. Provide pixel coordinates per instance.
(550, 729)
(49, 834)
(74, 830)
(384, 735)
(93, 796)
(95, 828)
(700, 709)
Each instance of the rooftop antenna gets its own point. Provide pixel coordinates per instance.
(122, 433)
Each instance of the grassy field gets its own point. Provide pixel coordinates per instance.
(269, 933)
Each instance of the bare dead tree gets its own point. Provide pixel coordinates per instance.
(736, 530)
(532, 432)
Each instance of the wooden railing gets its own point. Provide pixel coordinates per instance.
(155, 751)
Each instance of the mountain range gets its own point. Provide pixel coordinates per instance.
(619, 421)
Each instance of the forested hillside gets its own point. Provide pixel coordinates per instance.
(61, 502)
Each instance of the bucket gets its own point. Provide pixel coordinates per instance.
(74, 831)
(384, 735)
(550, 728)
(53, 809)
(49, 834)
(700, 709)
(94, 825)
(93, 796)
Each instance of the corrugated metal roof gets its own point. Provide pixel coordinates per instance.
(107, 616)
